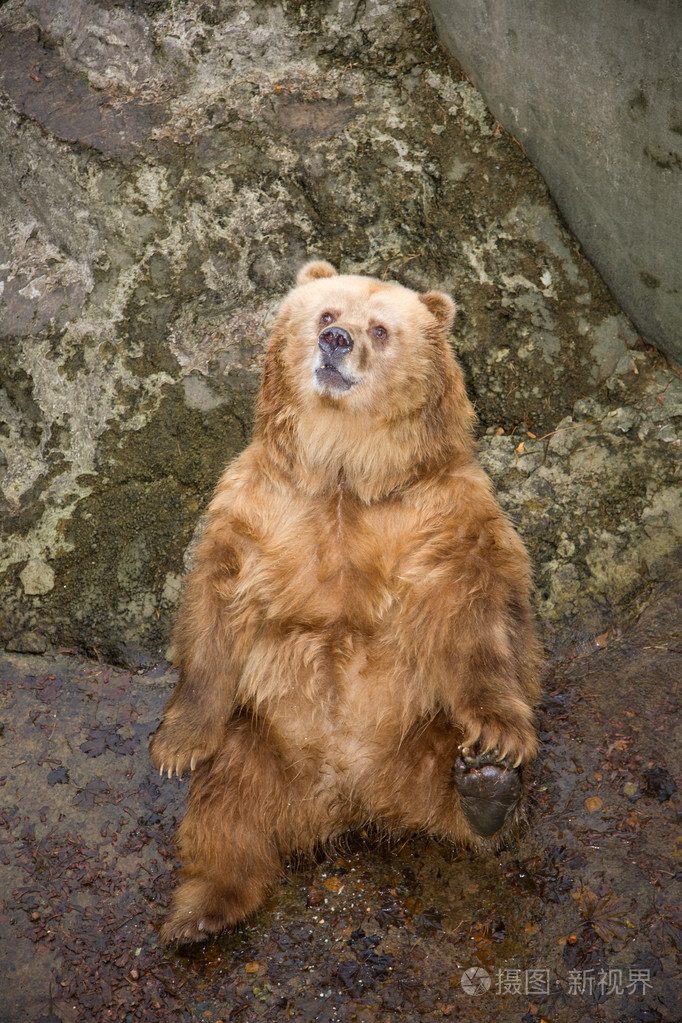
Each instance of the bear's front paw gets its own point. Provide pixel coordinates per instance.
(513, 737)
(174, 751)
(489, 789)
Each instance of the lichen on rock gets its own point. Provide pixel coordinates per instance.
(166, 168)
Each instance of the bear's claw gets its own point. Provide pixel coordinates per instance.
(489, 789)
(176, 768)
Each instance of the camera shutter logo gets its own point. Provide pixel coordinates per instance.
(476, 980)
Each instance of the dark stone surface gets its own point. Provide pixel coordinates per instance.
(584, 893)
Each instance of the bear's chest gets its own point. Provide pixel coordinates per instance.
(328, 562)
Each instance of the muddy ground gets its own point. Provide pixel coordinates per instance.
(574, 920)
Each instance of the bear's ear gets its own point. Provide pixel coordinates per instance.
(314, 270)
(441, 306)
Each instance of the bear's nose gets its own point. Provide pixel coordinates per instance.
(335, 341)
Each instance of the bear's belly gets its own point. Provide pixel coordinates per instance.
(336, 701)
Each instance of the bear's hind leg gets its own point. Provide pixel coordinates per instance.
(228, 838)
(214, 897)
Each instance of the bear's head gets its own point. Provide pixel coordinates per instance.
(363, 344)
(357, 364)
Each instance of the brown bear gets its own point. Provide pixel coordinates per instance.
(356, 643)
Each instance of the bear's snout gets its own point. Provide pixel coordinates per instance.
(335, 342)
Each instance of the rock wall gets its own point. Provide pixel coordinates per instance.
(166, 167)
(593, 91)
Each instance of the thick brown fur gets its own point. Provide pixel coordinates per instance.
(359, 610)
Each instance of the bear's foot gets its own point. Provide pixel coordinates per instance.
(489, 790)
(199, 910)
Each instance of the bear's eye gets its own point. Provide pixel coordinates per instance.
(326, 318)
(380, 333)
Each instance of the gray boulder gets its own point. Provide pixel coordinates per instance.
(593, 92)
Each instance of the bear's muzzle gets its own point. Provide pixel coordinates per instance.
(334, 343)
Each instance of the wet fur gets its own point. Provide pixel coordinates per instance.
(359, 610)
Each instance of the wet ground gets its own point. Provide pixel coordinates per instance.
(574, 921)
